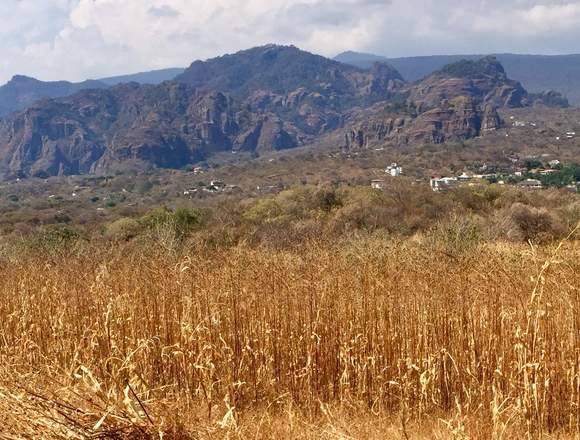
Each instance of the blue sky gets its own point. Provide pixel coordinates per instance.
(78, 39)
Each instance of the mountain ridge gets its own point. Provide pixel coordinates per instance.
(263, 99)
(537, 73)
(152, 77)
(22, 91)
(276, 69)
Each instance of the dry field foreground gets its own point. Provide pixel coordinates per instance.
(366, 339)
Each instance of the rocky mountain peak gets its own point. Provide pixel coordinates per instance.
(456, 103)
(20, 79)
(281, 70)
(385, 70)
(278, 68)
(484, 80)
(262, 99)
(485, 67)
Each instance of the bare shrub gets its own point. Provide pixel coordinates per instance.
(456, 235)
(536, 224)
(123, 229)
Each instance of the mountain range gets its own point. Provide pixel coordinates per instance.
(262, 99)
(537, 73)
(151, 77)
(22, 91)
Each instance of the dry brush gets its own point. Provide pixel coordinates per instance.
(258, 343)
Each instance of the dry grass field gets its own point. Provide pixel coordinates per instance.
(364, 338)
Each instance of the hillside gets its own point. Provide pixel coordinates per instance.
(537, 73)
(128, 126)
(261, 100)
(283, 70)
(181, 122)
(152, 77)
(22, 91)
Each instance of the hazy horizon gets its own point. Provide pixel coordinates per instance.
(80, 39)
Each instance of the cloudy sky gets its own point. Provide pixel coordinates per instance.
(78, 39)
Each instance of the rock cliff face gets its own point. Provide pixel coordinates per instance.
(267, 98)
(457, 103)
(132, 126)
(263, 99)
(485, 81)
(282, 70)
(458, 119)
(376, 131)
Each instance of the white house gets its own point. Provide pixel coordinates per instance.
(444, 183)
(394, 170)
(378, 184)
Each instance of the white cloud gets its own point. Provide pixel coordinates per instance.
(76, 39)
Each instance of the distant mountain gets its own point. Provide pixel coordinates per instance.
(268, 98)
(309, 93)
(537, 73)
(153, 77)
(284, 69)
(22, 91)
(457, 102)
(263, 99)
(360, 59)
(484, 80)
(412, 68)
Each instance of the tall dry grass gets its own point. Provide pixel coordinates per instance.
(362, 339)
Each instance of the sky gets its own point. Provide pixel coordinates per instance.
(80, 39)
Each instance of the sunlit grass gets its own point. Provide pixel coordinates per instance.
(359, 339)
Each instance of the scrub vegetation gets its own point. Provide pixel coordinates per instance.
(319, 312)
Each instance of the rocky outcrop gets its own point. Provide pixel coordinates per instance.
(266, 134)
(376, 132)
(129, 126)
(491, 120)
(549, 98)
(265, 99)
(459, 102)
(134, 127)
(381, 80)
(459, 119)
(485, 81)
